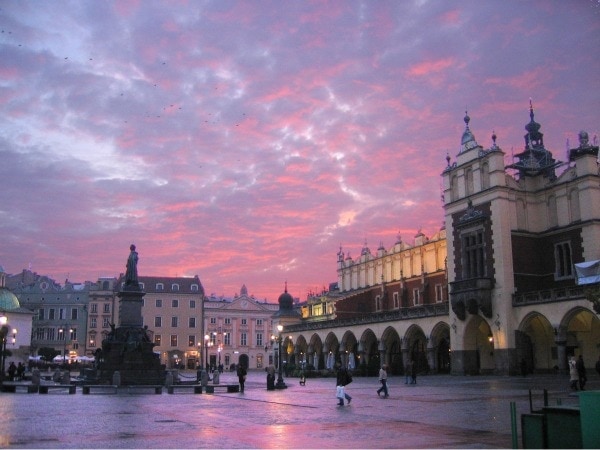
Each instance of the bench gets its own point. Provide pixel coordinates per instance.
(137, 387)
(197, 388)
(86, 388)
(44, 388)
(13, 387)
(210, 388)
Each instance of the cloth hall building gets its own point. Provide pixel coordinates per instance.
(497, 289)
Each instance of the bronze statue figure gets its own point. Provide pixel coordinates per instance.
(131, 276)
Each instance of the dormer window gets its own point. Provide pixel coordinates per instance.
(175, 287)
(160, 286)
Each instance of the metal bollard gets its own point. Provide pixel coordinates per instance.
(513, 424)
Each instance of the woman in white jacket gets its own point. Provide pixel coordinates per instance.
(573, 374)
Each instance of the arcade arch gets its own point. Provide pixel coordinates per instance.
(479, 347)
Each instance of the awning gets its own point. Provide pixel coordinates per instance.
(588, 272)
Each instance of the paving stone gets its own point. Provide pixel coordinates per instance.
(440, 411)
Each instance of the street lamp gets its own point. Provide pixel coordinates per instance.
(199, 354)
(62, 333)
(3, 336)
(207, 343)
(280, 383)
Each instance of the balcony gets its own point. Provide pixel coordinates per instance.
(564, 294)
(471, 295)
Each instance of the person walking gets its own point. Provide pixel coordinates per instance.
(383, 381)
(407, 371)
(573, 375)
(12, 370)
(20, 371)
(581, 373)
(343, 379)
(241, 373)
(413, 372)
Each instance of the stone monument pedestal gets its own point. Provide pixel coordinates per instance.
(128, 349)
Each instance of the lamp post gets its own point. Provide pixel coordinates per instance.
(280, 383)
(3, 336)
(62, 332)
(199, 344)
(208, 343)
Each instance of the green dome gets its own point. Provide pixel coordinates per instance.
(8, 300)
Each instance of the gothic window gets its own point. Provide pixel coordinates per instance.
(454, 188)
(552, 214)
(416, 296)
(469, 189)
(563, 262)
(396, 300)
(378, 303)
(439, 293)
(574, 203)
(473, 254)
(485, 176)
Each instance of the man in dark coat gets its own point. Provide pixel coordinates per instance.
(581, 372)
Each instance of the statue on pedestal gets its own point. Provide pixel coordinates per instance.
(131, 275)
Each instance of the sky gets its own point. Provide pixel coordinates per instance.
(246, 142)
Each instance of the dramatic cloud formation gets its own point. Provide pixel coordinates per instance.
(246, 141)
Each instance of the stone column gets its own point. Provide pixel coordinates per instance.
(382, 354)
(561, 353)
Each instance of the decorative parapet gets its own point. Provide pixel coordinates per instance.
(549, 296)
(414, 312)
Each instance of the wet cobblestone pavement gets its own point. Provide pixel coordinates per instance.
(441, 411)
